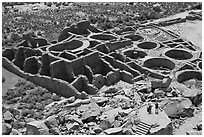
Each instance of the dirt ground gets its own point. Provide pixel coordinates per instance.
(190, 30)
(11, 80)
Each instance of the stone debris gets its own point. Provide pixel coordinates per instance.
(51, 122)
(15, 132)
(37, 128)
(113, 131)
(194, 133)
(97, 129)
(176, 107)
(72, 126)
(6, 129)
(8, 117)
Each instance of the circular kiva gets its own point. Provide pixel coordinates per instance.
(178, 54)
(147, 45)
(159, 64)
(135, 54)
(188, 74)
(74, 45)
(134, 37)
(199, 65)
(103, 37)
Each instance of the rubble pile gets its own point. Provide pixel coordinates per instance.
(113, 82)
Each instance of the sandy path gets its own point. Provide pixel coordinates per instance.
(190, 30)
(11, 80)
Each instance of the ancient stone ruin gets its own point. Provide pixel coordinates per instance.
(85, 59)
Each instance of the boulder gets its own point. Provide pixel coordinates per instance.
(15, 132)
(116, 124)
(37, 128)
(8, 117)
(18, 124)
(175, 107)
(191, 93)
(104, 124)
(111, 114)
(6, 129)
(51, 121)
(89, 112)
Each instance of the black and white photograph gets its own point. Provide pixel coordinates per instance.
(101, 67)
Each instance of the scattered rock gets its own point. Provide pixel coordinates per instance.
(36, 128)
(55, 131)
(8, 117)
(127, 131)
(6, 129)
(105, 124)
(176, 107)
(89, 112)
(17, 124)
(116, 124)
(111, 114)
(128, 92)
(72, 126)
(159, 93)
(113, 131)
(75, 118)
(51, 121)
(193, 92)
(15, 132)
(97, 129)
